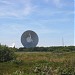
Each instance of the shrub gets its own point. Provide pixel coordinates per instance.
(6, 54)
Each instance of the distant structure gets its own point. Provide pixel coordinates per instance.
(62, 41)
(29, 39)
(13, 45)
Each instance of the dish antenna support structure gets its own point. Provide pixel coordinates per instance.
(29, 39)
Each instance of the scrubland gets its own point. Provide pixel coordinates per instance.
(40, 63)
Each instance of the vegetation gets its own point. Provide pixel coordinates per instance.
(6, 54)
(56, 61)
(48, 49)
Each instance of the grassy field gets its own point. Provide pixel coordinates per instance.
(40, 63)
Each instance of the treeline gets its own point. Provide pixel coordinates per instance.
(8, 53)
(48, 49)
(39, 49)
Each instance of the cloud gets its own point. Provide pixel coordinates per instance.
(18, 8)
(5, 2)
(57, 3)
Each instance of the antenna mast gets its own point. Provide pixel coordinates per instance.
(62, 41)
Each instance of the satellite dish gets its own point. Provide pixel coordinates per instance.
(29, 39)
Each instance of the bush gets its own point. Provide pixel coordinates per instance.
(6, 54)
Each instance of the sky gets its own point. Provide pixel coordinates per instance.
(52, 20)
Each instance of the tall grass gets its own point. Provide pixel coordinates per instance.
(40, 63)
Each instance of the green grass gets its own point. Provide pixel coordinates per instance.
(40, 63)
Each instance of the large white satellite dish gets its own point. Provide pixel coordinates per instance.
(29, 39)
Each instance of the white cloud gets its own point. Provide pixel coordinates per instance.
(19, 8)
(5, 2)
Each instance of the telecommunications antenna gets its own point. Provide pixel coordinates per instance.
(29, 39)
(62, 41)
